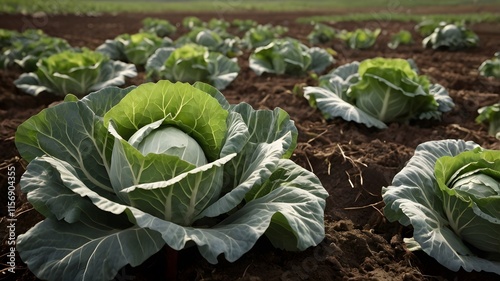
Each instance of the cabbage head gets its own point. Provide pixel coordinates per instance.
(127, 172)
(449, 192)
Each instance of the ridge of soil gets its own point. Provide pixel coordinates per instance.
(352, 161)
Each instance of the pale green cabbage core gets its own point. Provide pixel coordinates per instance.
(172, 141)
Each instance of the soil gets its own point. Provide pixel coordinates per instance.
(353, 162)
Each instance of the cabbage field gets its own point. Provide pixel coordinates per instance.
(369, 163)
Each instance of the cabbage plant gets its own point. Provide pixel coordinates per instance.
(25, 49)
(321, 34)
(129, 171)
(491, 116)
(160, 27)
(7, 36)
(427, 26)
(192, 22)
(359, 38)
(451, 37)
(449, 192)
(244, 25)
(74, 72)
(191, 63)
(289, 56)
(402, 37)
(491, 67)
(262, 35)
(218, 25)
(378, 91)
(215, 41)
(135, 48)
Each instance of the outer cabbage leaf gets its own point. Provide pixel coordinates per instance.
(426, 27)
(11, 42)
(381, 98)
(7, 37)
(76, 73)
(415, 198)
(332, 105)
(321, 34)
(238, 233)
(244, 25)
(201, 36)
(261, 161)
